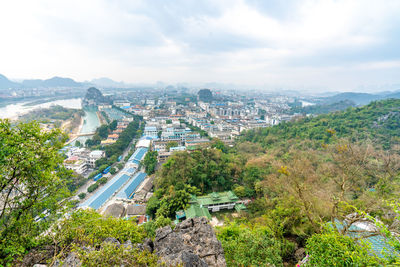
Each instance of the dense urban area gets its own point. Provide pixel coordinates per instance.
(238, 133)
(281, 179)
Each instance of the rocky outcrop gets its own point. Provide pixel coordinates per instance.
(94, 97)
(192, 243)
(205, 95)
(116, 210)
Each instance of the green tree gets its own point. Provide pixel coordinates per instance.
(333, 249)
(239, 191)
(164, 203)
(152, 205)
(102, 180)
(92, 187)
(218, 144)
(32, 180)
(113, 125)
(103, 167)
(150, 162)
(171, 144)
(249, 246)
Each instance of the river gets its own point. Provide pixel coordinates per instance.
(12, 111)
(90, 124)
(90, 119)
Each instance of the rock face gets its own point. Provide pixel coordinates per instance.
(205, 95)
(94, 97)
(192, 243)
(116, 210)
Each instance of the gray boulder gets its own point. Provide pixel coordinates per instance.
(72, 260)
(192, 243)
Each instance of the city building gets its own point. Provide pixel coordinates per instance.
(150, 131)
(202, 205)
(76, 164)
(95, 155)
(216, 201)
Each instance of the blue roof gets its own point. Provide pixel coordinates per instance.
(128, 190)
(379, 244)
(150, 128)
(130, 170)
(149, 137)
(138, 155)
(98, 199)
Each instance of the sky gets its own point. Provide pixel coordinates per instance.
(294, 44)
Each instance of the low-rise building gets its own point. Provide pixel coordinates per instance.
(202, 205)
(163, 156)
(143, 143)
(150, 131)
(76, 164)
(216, 201)
(113, 136)
(108, 141)
(177, 148)
(95, 155)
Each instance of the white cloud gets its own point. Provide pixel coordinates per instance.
(226, 41)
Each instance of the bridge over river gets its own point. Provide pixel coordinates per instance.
(90, 123)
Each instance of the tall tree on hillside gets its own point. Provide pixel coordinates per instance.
(32, 184)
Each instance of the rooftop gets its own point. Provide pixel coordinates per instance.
(150, 128)
(214, 198)
(132, 210)
(379, 244)
(197, 211)
(128, 190)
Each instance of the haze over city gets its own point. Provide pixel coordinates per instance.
(302, 45)
(220, 133)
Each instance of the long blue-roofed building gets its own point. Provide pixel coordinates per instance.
(138, 156)
(109, 189)
(128, 191)
(125, 183)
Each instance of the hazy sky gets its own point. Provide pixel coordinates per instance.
(329, 44)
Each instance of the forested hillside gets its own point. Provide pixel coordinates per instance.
(299, 176)
(378, 121)
(308, 184)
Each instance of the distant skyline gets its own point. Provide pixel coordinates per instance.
(307, 45)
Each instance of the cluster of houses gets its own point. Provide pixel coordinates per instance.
(113, 137)
(80, 159)
(169, 134)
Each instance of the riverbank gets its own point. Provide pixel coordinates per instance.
(75, 131)
(87, 126)
(13, 110)
(101, 118)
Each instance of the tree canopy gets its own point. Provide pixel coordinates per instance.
(32, 184)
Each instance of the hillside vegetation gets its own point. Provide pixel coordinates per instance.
(300, 176)
(378, 121)
(307, 181)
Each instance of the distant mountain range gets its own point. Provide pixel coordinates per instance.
(107, 82)
(5, 83)
(53, 82)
